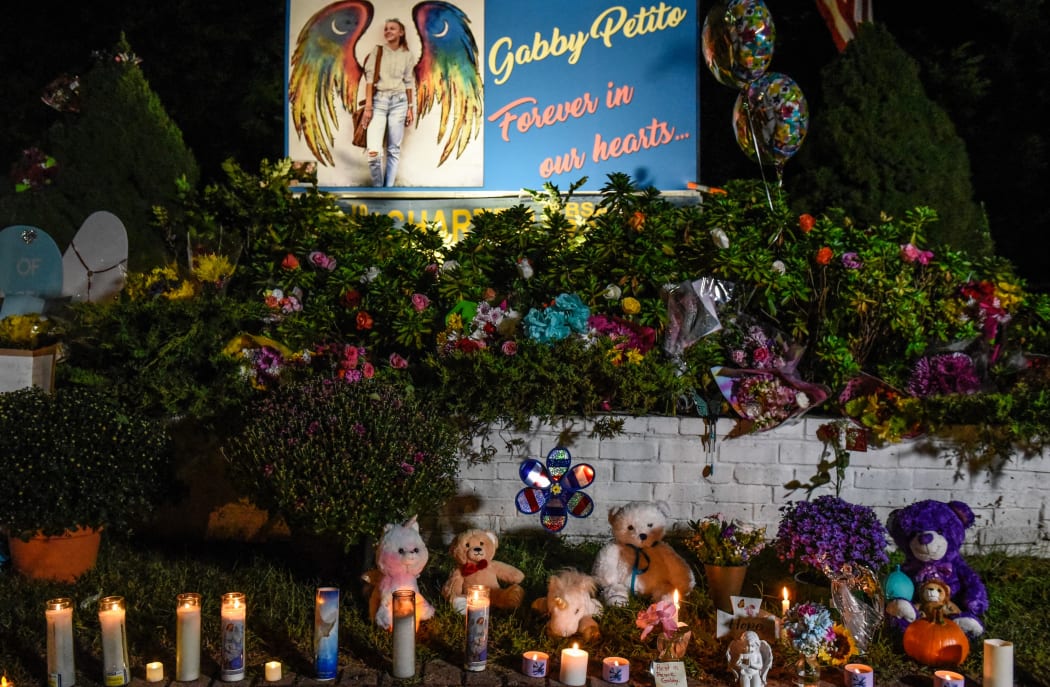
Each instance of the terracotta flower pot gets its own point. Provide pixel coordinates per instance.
(723, 582)
(61, 558)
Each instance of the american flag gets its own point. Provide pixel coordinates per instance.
(843, 16)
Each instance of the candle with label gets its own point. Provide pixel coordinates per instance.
(111, 616)
(187, 636)
(534, 663)
(616, 670)
(859, 675)
(948, 678)
(477, 650)
(326, 633)
(61, 671)
(233, 614)
(404, 630)
(573, 670)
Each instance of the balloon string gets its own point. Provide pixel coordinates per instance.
(758, 151)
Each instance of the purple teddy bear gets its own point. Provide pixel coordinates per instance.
(930, 534)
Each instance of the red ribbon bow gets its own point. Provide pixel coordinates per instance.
(470, 567)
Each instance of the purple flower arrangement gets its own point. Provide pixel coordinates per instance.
(944, 373)
(828, 533)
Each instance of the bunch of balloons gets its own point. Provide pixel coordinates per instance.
(770, 116)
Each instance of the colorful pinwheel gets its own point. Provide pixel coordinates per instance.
(553, 490)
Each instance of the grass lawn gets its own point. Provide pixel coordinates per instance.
(280, 580)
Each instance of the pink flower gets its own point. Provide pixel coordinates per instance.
(368, 370)
(397, 362)
(321, 261)
(509, 348)
(661, 614)
(420, 302)
(911, 253)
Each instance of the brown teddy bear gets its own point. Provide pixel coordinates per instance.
(474, 552)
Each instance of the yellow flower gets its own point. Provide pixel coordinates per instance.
(634, 357)
(183, 291)
(212, 268)
(1009, 295)
(841, 650)
(615, 356)
(631, 306)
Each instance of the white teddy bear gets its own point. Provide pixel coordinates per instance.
(638, 562)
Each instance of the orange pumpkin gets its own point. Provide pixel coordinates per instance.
(936, 644)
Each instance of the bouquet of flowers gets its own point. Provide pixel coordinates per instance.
(718, 541)
(944, 373)
(828, 533)
(809, 628)
(766, 398)
(674, 636)
(886, 413)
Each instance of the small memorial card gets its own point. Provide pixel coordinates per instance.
(669, 674)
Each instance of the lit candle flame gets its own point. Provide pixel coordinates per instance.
(575, 646)
(785, 593)
(5, 683)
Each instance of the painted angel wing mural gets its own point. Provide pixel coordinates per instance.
(447, 74)
(324, 67)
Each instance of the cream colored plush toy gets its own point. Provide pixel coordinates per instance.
(638, 562)
(571, 605)
(474, 553)
(401, 556)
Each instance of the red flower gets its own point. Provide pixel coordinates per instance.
(637, 220)
(352, 298)
(806, 222)
(364, 320)
(290, 263)
(824, 255)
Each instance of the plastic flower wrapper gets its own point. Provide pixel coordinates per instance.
(765, 399)
(887, 414)
(857, 595)
(693, 309)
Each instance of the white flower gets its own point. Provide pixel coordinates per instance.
(612, 292)
(779, 267)
(802, 400)
(370, 274)
(525, 268)
(719, 236)
(449, 266)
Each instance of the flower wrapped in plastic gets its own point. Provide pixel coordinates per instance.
(568, 314)
(766, 398)
(693, 309)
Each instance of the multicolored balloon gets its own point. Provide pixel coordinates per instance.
(737, 41)
(770, 118)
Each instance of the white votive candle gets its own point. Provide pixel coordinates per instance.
(573, 670)
(616, 670)
(998, 663)
(111, 617)
(187, 636)
(534, 663)
(233, 613)
(404, 633)
(154, 671)
(61, 671)
(272, 671)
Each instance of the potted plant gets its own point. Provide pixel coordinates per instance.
(341, 457)
(74, 461)
(827, 536)
(725, 547)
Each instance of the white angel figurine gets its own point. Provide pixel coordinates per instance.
(750, 659)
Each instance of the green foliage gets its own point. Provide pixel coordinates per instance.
(120, 153)
(77, 457)
(345, 458)
(881, 146)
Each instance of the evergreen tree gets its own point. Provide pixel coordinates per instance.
(880, 145)
(121, 152)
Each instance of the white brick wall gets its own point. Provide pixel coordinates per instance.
(662, 458)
